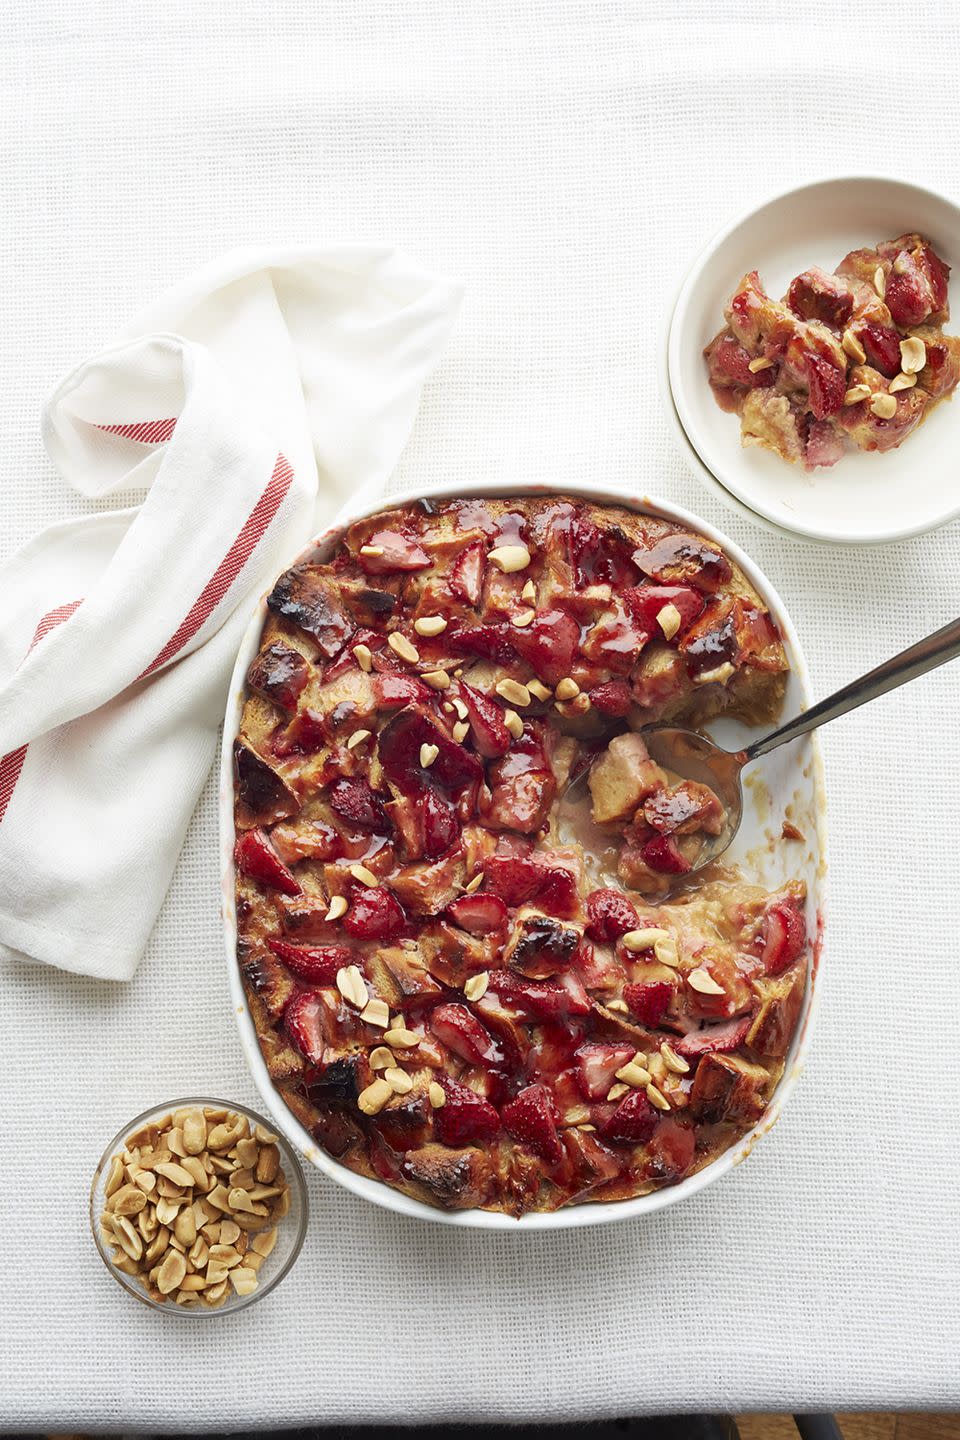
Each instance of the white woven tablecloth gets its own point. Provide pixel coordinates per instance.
(565, 158)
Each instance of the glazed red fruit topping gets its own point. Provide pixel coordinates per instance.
(301, 1020)
(397, 552)
(466, 573)
(610, 915)
(672, 1149)
(908, 298)
(491, 738)
(399, 747)
(612, 698)
(827, 386)
(490, 642)
(730, 365)
(598, 1066)
(440, 827)
(664, 855)
(375, 913)
(649, 1001)
(782, 937)
(646, 601)
(633, 1121)
(548, 645)
(530, 1117)
(354, 801)
(516, 878)
(391, 690)
(465, 1117)
(882, 347)
(478, 914)
(714, 1039)
(459, 1029)
(317, 963)
(540, 999)
(255, 856)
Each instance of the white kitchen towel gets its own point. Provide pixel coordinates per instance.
(238, 412)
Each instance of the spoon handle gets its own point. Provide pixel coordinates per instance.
(926, 655)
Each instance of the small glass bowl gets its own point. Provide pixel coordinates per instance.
(291, 1230)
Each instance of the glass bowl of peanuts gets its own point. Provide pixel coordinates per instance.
(198, 1206)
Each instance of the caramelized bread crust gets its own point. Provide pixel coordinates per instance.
(438, 977)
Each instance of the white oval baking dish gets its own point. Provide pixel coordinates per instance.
(790, 777)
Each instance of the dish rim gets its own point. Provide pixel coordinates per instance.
(684, 296)
(368, 502)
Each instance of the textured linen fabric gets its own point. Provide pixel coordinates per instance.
(566, 159)
(245, 405)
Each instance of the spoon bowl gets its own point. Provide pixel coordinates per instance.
(692, 756)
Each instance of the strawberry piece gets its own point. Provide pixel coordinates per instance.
(663, 854)
(598, 556)
(612, 698)
(729, 364)
(399, 553)
(375, 913)
(279, 673)
(316, 963)
(822, 446)
(610, 915)
(672, 1148)
(827, 386)
(649, 1001)
(598, 1065)
(478, 914)
(255, 857)
(516, 878)
(301, 1020)
(465, 1117)
(354, 801)
(633, 1121)
(459, 1029)
(908, 298)
(548, 645)
(577, 1000)
(306, 733)
(347, 660)
(491, 738)
(440, 827)
(715, 1039)
(455, 768)
(392, 690)
(539, 999)
(490, 642)
(882, 347)
(465, 577)
(782, 936)
(646, 601)
(530, 1118)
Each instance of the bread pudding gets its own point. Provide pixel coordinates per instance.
(457, 990)
(858, 355)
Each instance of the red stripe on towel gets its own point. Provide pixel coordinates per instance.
(12, 764)
(148, 432)
(230, 566)
(10, 767)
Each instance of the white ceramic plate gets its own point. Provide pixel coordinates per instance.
(864, 498)
(789, 777)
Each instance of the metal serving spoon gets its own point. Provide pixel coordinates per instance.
(696, 757)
